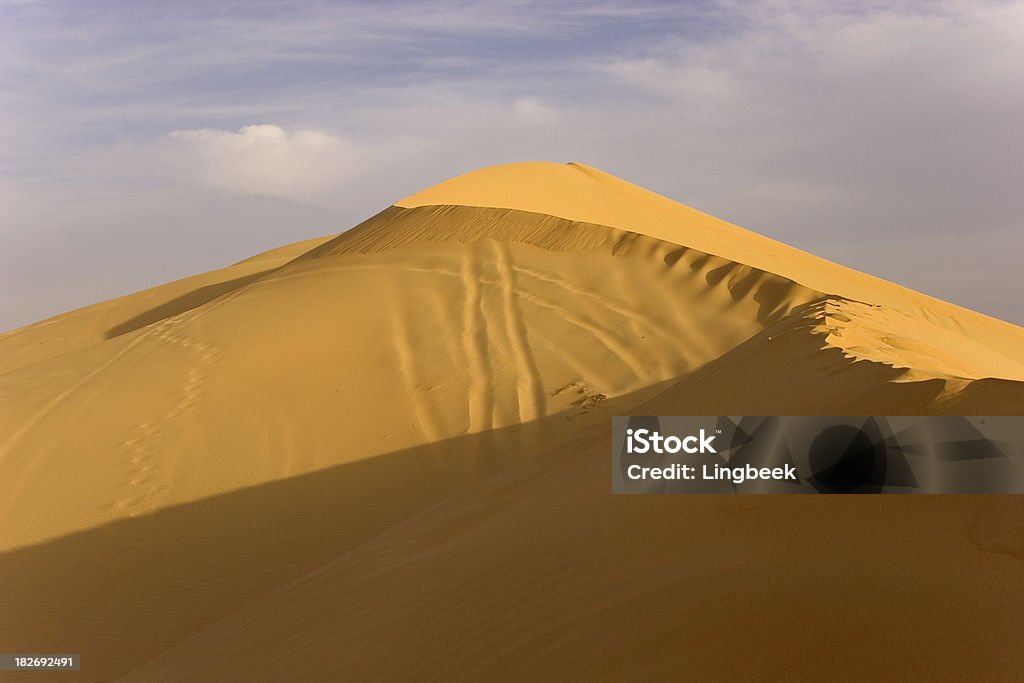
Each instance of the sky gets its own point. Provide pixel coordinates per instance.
(145, 141)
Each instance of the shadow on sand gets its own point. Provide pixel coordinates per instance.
(124, 592)
(180, 304)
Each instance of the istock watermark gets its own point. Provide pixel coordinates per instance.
(644, 440)
(816, 454)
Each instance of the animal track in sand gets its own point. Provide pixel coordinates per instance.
(146, 477)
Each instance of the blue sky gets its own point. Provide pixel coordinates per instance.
(144, 141)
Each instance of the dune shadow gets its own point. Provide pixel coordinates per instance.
(180, 304)
(124, 592)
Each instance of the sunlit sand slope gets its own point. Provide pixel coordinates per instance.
(580, 192)
(840, 357)
(92, 324)
(175, 455)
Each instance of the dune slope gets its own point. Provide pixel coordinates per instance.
(541, 574)
(357, 447)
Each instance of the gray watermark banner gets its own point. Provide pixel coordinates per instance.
(813, 454)
(33, 662)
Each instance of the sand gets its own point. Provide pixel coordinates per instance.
(383, 455)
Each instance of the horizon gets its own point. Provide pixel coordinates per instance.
(145, 143)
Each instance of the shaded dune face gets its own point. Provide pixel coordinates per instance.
(384, 454)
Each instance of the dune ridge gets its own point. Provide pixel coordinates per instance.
(467, 346)
(92, 324)
(579, 192)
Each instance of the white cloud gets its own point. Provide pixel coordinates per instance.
(262, 160)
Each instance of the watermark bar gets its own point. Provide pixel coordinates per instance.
(31, 662)
(814, 454)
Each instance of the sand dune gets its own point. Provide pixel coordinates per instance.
(383, 455)
(92, 324)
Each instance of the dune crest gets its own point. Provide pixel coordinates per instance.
(337, 421)
(579, 192)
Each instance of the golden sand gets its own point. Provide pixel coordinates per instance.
(383, 455)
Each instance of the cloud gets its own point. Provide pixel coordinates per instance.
(815, 123)
(261, 160)
(907, 108)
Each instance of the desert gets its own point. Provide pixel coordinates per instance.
(382, 455)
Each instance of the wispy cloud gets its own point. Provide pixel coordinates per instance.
(806, 121)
